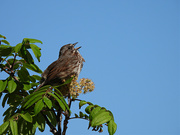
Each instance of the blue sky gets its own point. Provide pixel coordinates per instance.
(131, 48)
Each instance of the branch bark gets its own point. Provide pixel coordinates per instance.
(67, 115)
(11, 74)
(52, 128)
(12, 66)
(59, 119)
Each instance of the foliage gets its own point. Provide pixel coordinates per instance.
(29, 110)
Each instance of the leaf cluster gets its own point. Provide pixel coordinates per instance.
(97, 116)
(28, 109)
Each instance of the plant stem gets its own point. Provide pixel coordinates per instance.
(12, 66)
(78, 118)
(59, 119)
(67, 115)
(52, 128)
(11, 74)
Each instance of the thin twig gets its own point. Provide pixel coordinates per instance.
(39, 87)
(11, 74)
(77, 118)
(8, 63)
(76, 99)
(12, 66)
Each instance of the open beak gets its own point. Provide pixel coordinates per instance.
(75, 43)
(76, 47)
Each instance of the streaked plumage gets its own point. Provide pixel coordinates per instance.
(70, 62)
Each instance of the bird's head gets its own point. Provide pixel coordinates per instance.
(68, 49)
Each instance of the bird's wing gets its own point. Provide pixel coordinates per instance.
(59, 69)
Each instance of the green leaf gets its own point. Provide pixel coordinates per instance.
(18, 47)
(34, 84)
(81, 114)
(37, 77)
(2, 85)
(112, 127)
(66, 82)
(30, 40)
(46, 87)
(14, 128)
(58, 100)
(23, 74)
(32, 79)
(33, 95)
(5, 41)
(89, 103)
(4, 51)
(32, 67)
(47, 102)
(81, 103)
(5, 99)
(76, 115)
(27, 86)
(88, 109)
(6, 46)
(3, 127)
(86, 116)
(21, 125)
(111, 114)
(101, 118)
(10, 110)
(25, 128)
(38, 107)
(62, 99)
(11, 86)
(26, 55)
(95, 111)
(33, 99)
(36, 51)
(27, 117)
(41, 122)
(1, 36)
(52, 117)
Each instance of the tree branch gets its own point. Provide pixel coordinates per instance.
(52, 128)
(59, 119)
(12, 66)
(67, 115)
(11, 74)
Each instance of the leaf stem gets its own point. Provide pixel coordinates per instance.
(78, 118)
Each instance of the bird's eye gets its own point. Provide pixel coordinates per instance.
(69, 47)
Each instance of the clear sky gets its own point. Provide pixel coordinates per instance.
(131, 48)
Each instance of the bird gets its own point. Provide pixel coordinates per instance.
(68, 64)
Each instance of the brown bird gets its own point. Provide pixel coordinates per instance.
(69, 63)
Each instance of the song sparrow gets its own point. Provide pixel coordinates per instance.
(70, 62)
